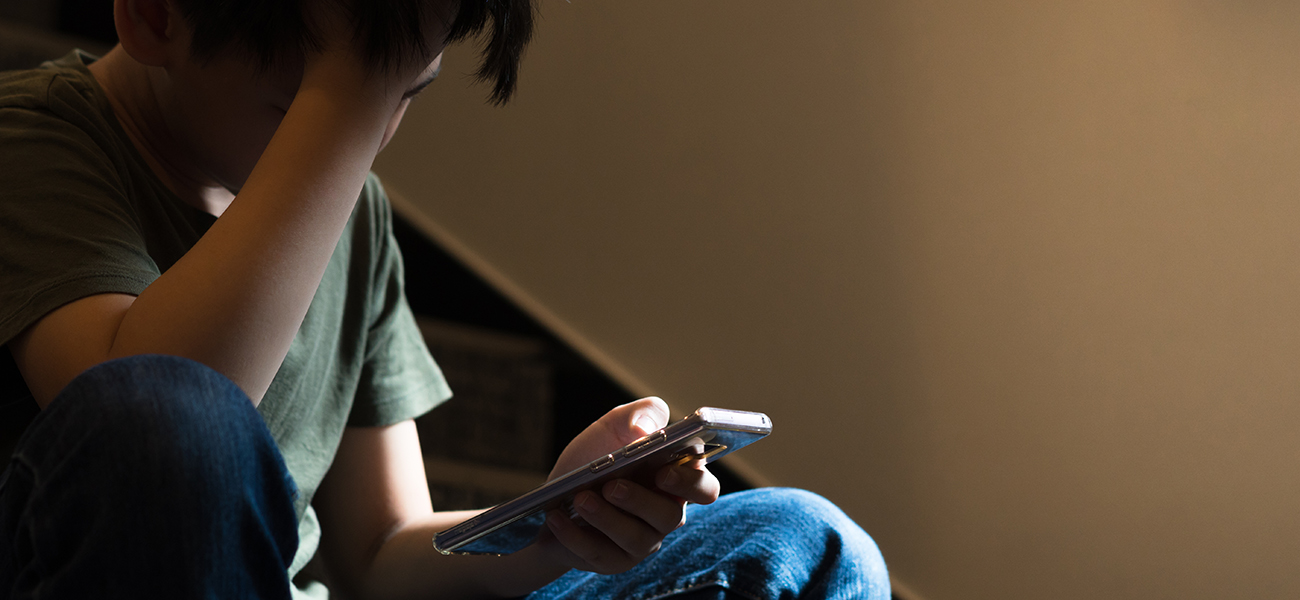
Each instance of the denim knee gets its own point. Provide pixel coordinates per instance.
(164, 411)
(144, 467)
(837, 559)
(177, 419)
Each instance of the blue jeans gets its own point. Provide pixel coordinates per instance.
(147, 477)
(154, 477)
(764, 544)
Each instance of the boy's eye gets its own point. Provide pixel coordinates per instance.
(415, 91)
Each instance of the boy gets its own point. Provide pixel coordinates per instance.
(201, 291)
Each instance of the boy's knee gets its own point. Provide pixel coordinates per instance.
(166, 415)
(840, 555)
(152, 450)
(152, 395)
(146, 379)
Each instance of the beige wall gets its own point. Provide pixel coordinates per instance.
(1019, 282)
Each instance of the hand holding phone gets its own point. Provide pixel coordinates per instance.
(706, 435)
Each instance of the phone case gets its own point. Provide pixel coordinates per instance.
(708, 434)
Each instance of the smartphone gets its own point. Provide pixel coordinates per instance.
(708, 434)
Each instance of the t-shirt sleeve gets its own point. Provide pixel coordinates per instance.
(400, 380)
(66, 227)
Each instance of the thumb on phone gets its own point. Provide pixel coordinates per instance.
(617, 428)
(651, 415)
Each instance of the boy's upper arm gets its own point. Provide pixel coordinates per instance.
(66, 341)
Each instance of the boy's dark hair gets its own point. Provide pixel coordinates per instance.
(388, 31)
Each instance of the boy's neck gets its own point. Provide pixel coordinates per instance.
(131, 93)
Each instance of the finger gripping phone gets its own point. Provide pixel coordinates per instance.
(708, 434)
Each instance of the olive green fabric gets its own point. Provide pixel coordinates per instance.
(81, 213)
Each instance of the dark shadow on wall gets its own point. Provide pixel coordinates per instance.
(89, 19)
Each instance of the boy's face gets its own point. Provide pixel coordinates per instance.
(223, 112)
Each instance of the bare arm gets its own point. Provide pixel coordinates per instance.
(377, 526)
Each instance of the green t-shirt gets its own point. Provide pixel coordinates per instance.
(81, 213)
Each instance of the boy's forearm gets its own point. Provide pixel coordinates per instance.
(407, 566)
(236, 300)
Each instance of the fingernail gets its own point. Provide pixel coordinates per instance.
(646, 424)
(619, 492)
(583, 503)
